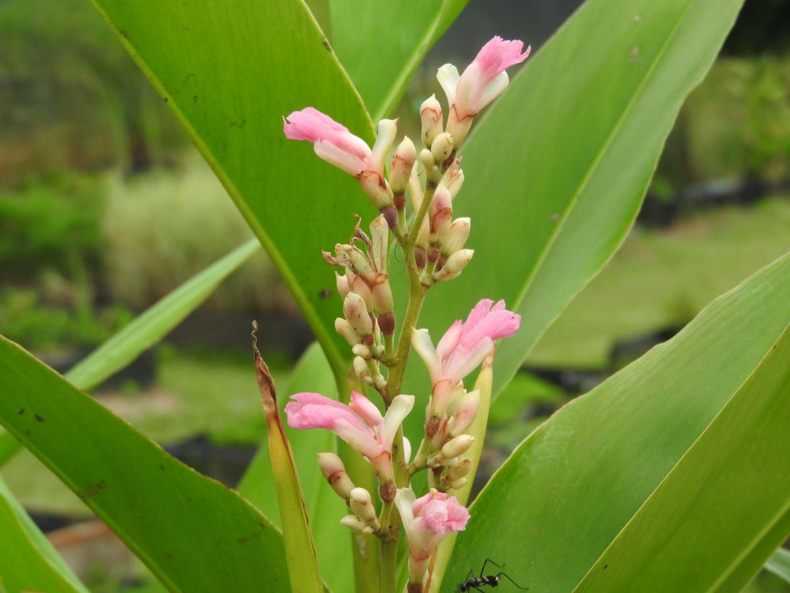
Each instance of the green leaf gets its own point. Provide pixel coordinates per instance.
(312, 373)
(779, 564)
(29, 562)
(146, 330)
(194, 534)
(556, 171)
(381, 44)
(231, 70)
(584, 475)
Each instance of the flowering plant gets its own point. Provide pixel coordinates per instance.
(669, 476)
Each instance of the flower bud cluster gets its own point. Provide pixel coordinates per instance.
(434, 245)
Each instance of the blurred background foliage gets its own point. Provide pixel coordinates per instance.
(105, 207)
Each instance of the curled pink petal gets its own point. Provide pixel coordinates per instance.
(485, 78)
(333, 142)
(498, 55)
(365, 409)
(465, 344)
(440, 513)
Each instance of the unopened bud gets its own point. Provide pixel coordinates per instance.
(343, 327)
(335, 473)
(402, 164)
(377, 188)
(457, 446)
(459, 470)
(429, 165)
(356, 312)
(362, 506)
(431, 118)
(382, 298)
(361, 369)
(453, 178)
(385, 137)
(361, 350)
(441, 210)
(343, 284)
(386, 323)
(353, 257)
(465, 413)
(379, 241)
(353, 523)
(455, 265)
(459, 483)
(442, 147)
(459, 128)
(455, 235)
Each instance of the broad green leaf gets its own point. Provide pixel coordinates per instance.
(381, 44)
(194, 534)
(586, 473)
(716, 497)
(231, 69)
(325, 509)
(28, 562)
(779, 564)
(146, 330)
(556, 171)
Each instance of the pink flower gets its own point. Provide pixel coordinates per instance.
(360, 424)
(331, 140)
(427, 520)
(466, 344)
(484, 79)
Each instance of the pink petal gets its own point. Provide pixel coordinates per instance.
(311, 125)
(365, 409)
(449, 340)
(498, 55)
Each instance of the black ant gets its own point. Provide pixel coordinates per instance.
(485, 580)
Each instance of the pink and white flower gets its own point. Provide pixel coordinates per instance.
(360, 424)
(427, 520)
(481, 82)
(333, 143)
(466, 343)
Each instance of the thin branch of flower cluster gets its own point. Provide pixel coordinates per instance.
(414, 193)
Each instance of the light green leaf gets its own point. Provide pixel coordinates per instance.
(779, 564)
(231, 70)
(28, 562)
(381, 44)
(584, 475)
(146, 330)
(312, 373)
(556, 171)
(194, 534)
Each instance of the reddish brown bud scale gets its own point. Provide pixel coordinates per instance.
(387, 323)
(390, 215)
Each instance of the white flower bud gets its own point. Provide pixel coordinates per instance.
(335, 473)
(356, 312)
(361, 350)
(431, 118)
(458, 484)
(361, 369)
(454, 236)
(455, 265)
(385, 137)
(343, 284)
(457, 446)
(459, 470)
(379, 240)
(374, 184)
(459, 128)
(453, 178)
(382, 300)
(402, 164)
(429, 165)
(343, 327)
(353, 523)
(465, 413)
(442, 147)
(362, 506)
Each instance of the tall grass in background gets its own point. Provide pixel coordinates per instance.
(164, 227)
